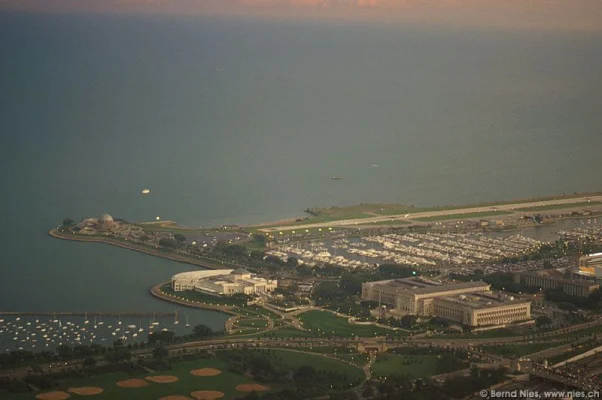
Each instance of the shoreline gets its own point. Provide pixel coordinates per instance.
(420, 209)
(516, 208)
(173, 257)
(156, 292)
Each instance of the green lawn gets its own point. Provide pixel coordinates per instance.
(560, 206)
(323, 323)
(289, 332)
(391, 223)
(245, 331)
(414, 366)
(295, 359)
(462, 216)
(356, 358)
(251, 323)
(225, 382)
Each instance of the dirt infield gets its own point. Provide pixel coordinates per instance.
(176, 397)
(132, 383)
(162, 378)
(207, 395)
(86, 390)
(53, 396)
(251, 387)
(205, 372)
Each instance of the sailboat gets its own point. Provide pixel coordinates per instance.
(176, 322)
(187, 324)
(86, 318)
(141, 329)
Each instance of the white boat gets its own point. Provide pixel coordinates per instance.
(145, 191)
(176, 319)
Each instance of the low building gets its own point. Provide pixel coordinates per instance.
(482, 309)
(416, 295)
(579, 288)
(591, 265)
(223, 282)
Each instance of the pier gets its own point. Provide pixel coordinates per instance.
(88, 314)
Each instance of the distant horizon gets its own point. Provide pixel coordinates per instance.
(579, 15)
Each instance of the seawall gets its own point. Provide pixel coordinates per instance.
(130, 246)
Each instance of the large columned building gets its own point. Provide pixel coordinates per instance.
(469, 303)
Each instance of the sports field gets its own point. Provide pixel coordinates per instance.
(204, 375)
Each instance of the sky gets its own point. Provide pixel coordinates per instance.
(582, 15)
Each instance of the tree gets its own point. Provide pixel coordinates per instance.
(202, 331)
(89, 362)
(179, 238)
(160, 352)
(543, 320)
(168, 243)
(67, 222)
(408, 320)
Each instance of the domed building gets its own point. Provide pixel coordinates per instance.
(105, 222)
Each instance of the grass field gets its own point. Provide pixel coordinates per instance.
(327, 324)
(187, 383)
(295, 359)
(414, 366)
(251, 323)
(289, 332)
(374, 210)
(462, 216)
(560, 206)
(356, 358)
(386, 223)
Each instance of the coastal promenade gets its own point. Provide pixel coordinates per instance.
(156, 292)
(440, 213)
(204, 263)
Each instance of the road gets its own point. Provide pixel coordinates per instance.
(409, 217)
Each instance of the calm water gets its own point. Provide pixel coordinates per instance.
(232, 121)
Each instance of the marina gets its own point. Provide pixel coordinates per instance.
(47, 331)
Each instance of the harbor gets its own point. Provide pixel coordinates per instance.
(47, 331)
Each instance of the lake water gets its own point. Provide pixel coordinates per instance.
(240, 121)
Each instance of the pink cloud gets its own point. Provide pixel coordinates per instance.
(503, 14)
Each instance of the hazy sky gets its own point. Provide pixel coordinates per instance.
(504, 14)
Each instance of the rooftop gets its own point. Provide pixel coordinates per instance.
(423, 286)
(240, 271)
(484, 300)
(559, 279)
(452, 286)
